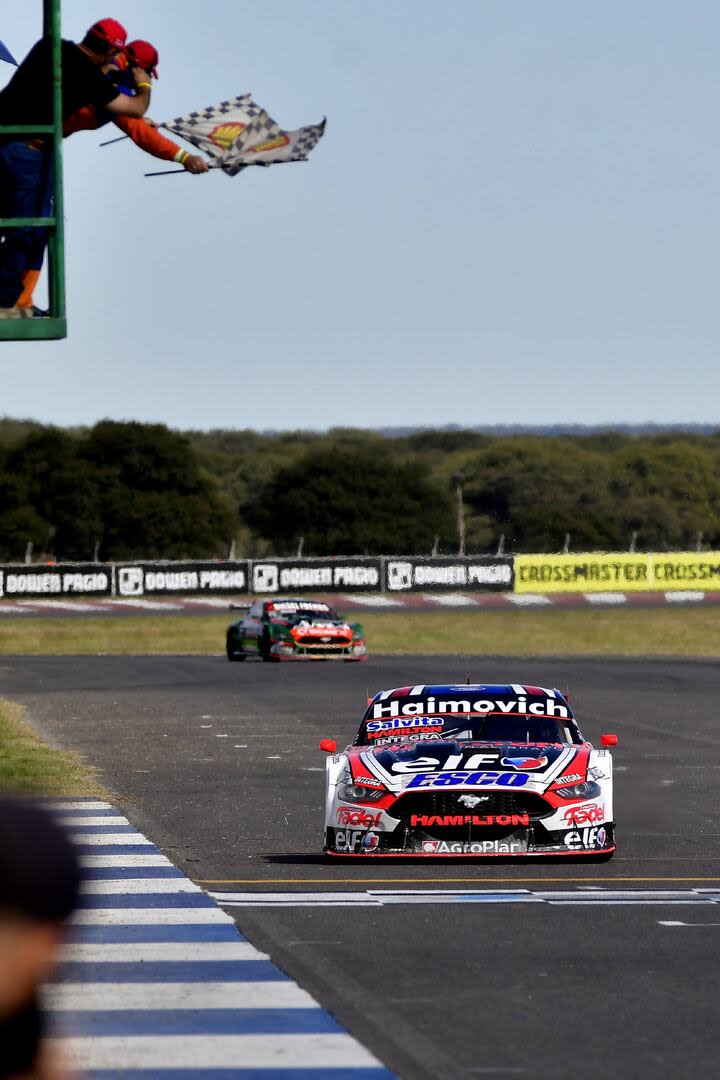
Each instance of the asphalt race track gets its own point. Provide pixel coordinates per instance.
(218, 764)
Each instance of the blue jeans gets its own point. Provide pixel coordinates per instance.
(25, 191)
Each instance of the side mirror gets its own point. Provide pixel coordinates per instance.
(370, 701)
(328, 746)
(609, 740)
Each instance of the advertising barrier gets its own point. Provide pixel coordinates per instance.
(652, 572)
(319, 575)
(65, 579)
(581, 573)
(153, 578)
(480, 573)
(691, 570)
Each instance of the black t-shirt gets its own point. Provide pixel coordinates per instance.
(27, 98)
(20, 1036)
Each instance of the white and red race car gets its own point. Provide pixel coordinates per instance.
(494, 770)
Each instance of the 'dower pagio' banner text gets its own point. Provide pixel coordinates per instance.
(156, 578)
(62, 579)
(480, 573)
(316, 575)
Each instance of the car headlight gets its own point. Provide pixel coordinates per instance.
(359, 793)
(587, 790)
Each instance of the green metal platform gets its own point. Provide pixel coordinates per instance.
(54, 326)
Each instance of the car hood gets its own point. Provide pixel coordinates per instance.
(319, 626)
(536, 765)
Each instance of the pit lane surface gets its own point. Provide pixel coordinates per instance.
(218, 764)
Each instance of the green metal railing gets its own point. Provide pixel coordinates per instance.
(55, 325)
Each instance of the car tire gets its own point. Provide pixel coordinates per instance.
(264, 648)
(231, 652)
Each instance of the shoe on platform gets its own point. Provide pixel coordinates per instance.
(11, 313)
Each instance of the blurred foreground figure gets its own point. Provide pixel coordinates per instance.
(39, 886)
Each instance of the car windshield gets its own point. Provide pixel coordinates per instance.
(293, 611)
(483, 714)
(511, 729)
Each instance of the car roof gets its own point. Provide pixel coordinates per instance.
(303, 602)
(510, 690)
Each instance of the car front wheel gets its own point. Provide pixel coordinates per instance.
(232, 654)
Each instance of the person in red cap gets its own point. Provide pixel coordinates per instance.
(143, 132)
(143, 55)
(26, 163)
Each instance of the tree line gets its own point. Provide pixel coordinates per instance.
(130, 490)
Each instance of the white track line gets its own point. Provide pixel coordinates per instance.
(133, 886)
(449, 600)
(78, 821)
(59, 605)
(147, 952)
(220, 1052)
(295, 899)
(148, 605)
(131, 839)
(206, 601)
(528, 599)
(90, 804)
(123, 861)
(149, 917)
(111, 997)
(371, 601)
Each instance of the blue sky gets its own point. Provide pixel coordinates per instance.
(512, 218)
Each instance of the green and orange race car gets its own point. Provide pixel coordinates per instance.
(278, 630)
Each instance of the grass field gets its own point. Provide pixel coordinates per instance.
(663, 631)
(29, 766)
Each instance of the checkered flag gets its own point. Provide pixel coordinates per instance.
(266, 145)
(238, 132)
(215, 129)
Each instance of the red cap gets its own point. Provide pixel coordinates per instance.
(111, 31)
(144, 54)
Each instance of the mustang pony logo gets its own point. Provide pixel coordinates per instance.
(471, 801)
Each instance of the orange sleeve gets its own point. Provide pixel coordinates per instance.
(84, 119)
(147, 137)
